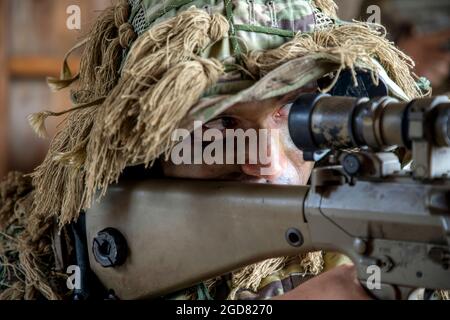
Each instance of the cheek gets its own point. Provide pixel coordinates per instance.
(298, 167)
(296, 164)
(192, 171)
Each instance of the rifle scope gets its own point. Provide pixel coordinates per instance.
(320, 121)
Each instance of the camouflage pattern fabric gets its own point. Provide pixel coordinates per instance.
(255, 25)
(129, 99)
(277, 284)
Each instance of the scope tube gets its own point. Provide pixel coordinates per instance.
(320, 121)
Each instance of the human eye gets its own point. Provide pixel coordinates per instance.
(222, 123)
(283, 112)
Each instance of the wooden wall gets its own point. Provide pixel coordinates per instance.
(3, 88)
(349, 9)
(33, 41)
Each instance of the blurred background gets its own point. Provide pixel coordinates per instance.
(34, 38)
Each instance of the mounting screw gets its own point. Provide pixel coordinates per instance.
(294, 237)
(351, 164)
(386, 264)
(110, 248)
(360, 245)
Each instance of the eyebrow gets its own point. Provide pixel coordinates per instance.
(279, 102)
(292, 96)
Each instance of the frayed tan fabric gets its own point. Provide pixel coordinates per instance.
(59, 187)
(66, 77)
(350, 45)
(102, 55)
(37, 120)
(251, 277)
(26, 258)
(145, 107)
(329, 7)
(142, 107)
(127, 118)
(134, 124)
(444, 294)
(136, 120)
(141, 136)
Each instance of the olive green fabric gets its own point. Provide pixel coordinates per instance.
(260, 24)
(255, 25)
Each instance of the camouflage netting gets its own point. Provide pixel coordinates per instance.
(26, 258)
(128, 120)
(125, 110)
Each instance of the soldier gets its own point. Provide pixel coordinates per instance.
(150, 67)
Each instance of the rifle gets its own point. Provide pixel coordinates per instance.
(154, 237)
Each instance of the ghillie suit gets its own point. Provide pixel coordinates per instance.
(27, 261)
(150, 67)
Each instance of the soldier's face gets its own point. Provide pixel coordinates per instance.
(285, 165)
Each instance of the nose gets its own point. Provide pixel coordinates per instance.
(272, 161)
